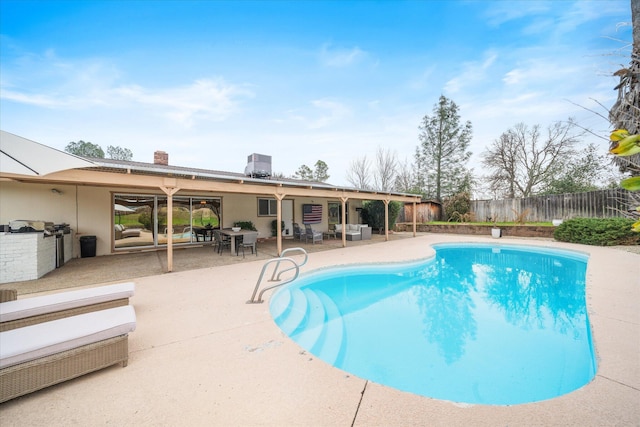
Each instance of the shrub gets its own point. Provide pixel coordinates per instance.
(373, 213)
(245, 225)
(597, 231)
(457, 208)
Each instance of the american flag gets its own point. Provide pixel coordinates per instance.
(311, 214)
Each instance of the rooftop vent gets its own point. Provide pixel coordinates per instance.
(258, 166)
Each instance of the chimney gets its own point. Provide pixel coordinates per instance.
(161, 158)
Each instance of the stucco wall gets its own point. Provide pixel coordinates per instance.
(88, 209)
(37, 202)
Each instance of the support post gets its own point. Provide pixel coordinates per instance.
(415, 206)
(169, 191)
(279, 198)
(344, 220)
(386, 220)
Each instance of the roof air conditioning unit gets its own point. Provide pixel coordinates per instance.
(258, 166)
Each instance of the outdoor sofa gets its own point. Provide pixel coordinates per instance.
(41, 355)
(354, 231)
(49, 339)
(121, 232)
(30, 311)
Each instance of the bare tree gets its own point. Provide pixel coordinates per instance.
(386, 169)
(523, 161)
(406, 178)
(358, 173)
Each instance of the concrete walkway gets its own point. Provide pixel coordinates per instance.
(202, 357)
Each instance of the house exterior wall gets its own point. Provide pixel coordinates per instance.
(88, 209)
(37, 201)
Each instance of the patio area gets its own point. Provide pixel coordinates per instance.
(201, 356)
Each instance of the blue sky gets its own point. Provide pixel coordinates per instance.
(211, 82)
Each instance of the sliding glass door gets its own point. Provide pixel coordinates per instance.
(141, 220)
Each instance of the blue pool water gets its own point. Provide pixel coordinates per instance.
(477, 323)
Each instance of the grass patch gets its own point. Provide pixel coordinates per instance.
(498, 224)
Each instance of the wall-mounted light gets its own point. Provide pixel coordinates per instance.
(56, 191)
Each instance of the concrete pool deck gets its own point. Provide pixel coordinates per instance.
(201, 356)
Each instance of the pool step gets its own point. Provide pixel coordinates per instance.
(295, 313)
(312, 319)
(278, 306)
(330, 345)
(310, 330)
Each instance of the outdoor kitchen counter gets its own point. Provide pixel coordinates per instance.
(26, 256)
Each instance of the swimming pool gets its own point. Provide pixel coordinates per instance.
(477, 323)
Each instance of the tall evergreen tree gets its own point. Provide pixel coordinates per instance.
(319, 174)
(443, 153)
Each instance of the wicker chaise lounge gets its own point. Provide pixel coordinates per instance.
(30, 311)
(38, 356)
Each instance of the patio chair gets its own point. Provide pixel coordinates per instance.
(297, 232)
(315, 236)
(248, 240)
(220, 241)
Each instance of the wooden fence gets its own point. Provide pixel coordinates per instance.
(592, 204)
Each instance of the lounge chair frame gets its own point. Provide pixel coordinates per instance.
(24, 378)
(55, 315)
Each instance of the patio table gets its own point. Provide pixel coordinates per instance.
(233, 235)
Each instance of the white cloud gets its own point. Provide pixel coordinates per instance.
(204, 99)
(53, 82)
(501, 12)
(472, 73)
(325, 112)
(340, 57)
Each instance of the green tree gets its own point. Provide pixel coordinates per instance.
(580, 173)
(319, 174)
(304, 173)
(119, 153)
(84, 149)
(443, 152)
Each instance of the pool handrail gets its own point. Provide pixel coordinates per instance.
(282, 255)
(278, 260)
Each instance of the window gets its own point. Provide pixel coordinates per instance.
(267, 207)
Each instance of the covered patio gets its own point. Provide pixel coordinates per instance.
(84, 195)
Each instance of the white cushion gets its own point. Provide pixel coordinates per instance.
(44, 339)
(338, 228)
(27, 307)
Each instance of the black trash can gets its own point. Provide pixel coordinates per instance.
(87, 246)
